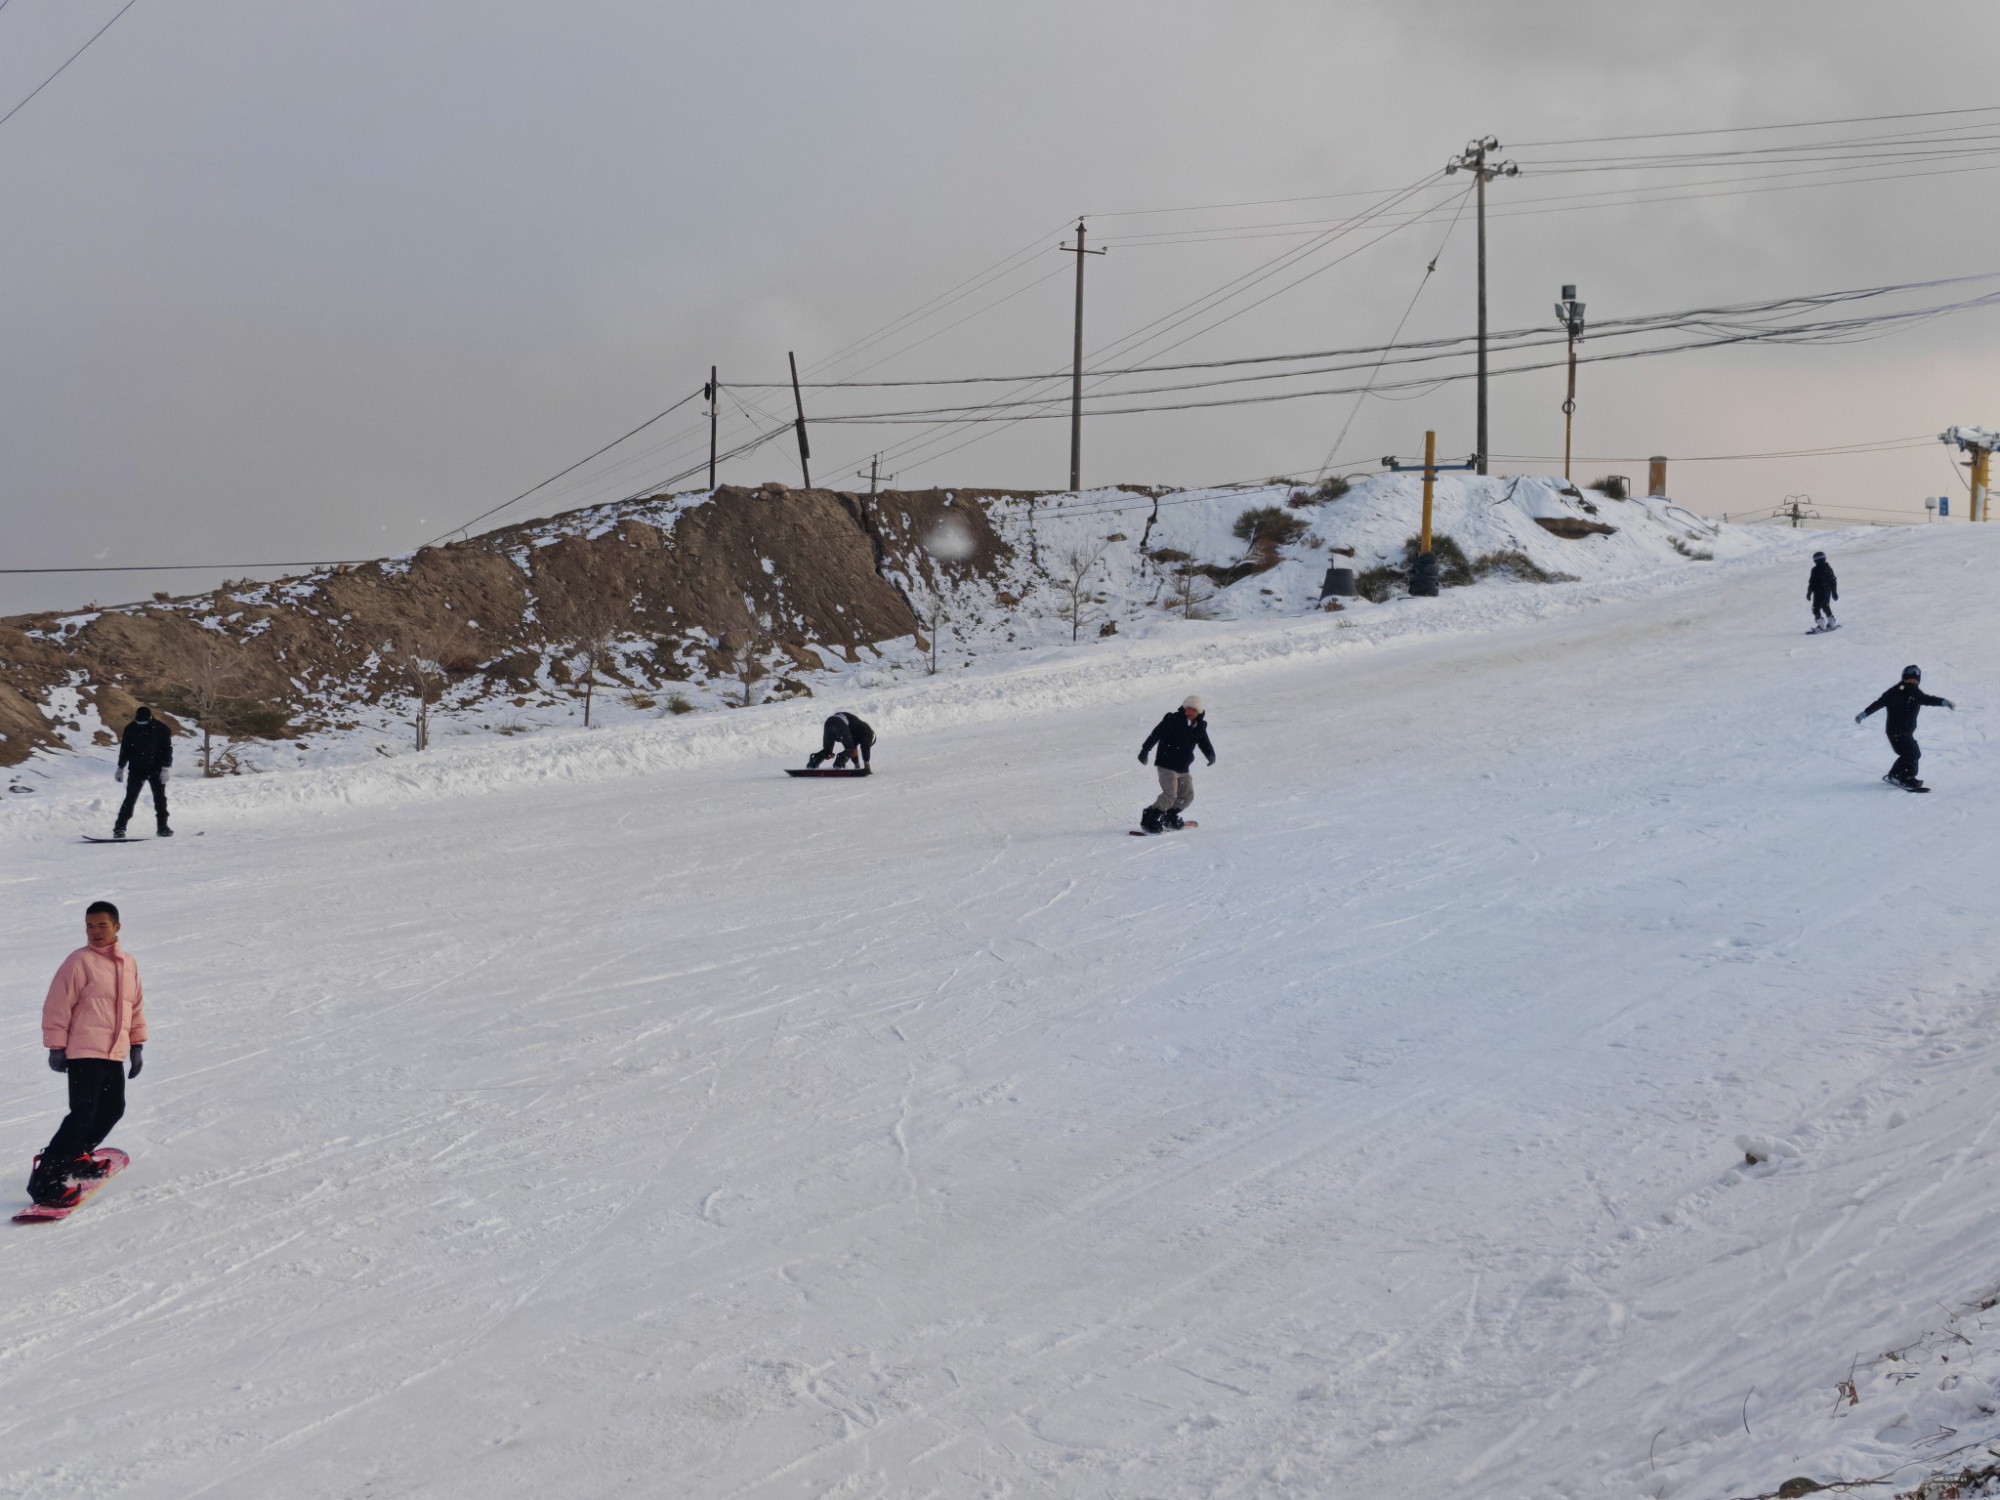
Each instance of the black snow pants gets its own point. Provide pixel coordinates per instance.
(96, 1103)
(134, 780)
(1907, 756)
(1822, 605)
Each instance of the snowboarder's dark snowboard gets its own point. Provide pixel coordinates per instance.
(1141, 833)
(816, 771)
(115, 1161)
(136, 838)
(1823, 629)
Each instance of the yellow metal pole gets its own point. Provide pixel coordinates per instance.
(1981, 501)
(1430, 478)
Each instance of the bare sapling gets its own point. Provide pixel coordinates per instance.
(1072, 583)
(205, 669)
(420, 654)
(1189, 590)
(591, 626)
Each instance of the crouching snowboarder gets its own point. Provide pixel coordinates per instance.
(93, 1020)
(1903, 702)
(854, 737)
(1822, 588)
(146, 751)
(1178, 736)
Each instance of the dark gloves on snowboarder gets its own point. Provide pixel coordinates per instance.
(138, 1059)
(1211, 760)
(58, 1060)
(1142, 757)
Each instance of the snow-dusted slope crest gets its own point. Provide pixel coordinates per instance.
(1013, 662)
(697, 1132)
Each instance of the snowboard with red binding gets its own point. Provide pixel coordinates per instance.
(115, 1161)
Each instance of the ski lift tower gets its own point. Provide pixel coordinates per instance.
(1979, 442)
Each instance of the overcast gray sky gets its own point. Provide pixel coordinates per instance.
(293, 281)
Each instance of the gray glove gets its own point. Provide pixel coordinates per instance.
(119, 774)
(1951, 705)
(1859, 717)
(164, 773)
(138, 1059)
(58, 1060)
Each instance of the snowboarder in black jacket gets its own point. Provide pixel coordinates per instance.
(854, 737)
(1822, 588)
(1178, 736)
(146, 749)
(1903, 702)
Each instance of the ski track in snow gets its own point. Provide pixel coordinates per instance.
(651, 1123)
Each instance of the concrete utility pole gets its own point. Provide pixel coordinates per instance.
(1076, 366)
(1569, 313)
(712, 393)
(798, 401)
(1979, 442)
(1473, 160)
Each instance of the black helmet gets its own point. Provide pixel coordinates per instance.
(1819, 557)
(1913, 674)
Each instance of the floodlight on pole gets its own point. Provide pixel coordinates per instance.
(1569, 313)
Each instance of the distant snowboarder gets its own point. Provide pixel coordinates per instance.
(1822, 588)
(93, 1020)
(1903, 702)
(1178, 736)
(146, 749)
(851, 733)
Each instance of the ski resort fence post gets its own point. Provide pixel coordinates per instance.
(1424, 571)
(805, 453)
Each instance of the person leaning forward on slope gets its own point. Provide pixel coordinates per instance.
(1903, 701)
(146, 749)
(849, 732)
(1822, 588)
(1178, 735)
(93, 1020)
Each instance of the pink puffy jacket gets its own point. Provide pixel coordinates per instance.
(95, 1006)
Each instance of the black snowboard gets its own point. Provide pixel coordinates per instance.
(132, 838)
(819, 772)
(1140, 833)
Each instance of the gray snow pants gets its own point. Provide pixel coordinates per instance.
(1176, 790)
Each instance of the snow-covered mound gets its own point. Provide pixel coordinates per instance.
(754, 597)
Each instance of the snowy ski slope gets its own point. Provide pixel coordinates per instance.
(612, 1115)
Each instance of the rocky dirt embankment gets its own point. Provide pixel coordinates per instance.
(742, 581)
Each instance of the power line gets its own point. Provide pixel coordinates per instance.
(72, 58)
(1654, 135)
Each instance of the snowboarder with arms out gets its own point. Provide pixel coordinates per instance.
(1178, 736)
(146, 749)
(1902, 703)
(1822, 588)
(93, 1020)
(854, 737)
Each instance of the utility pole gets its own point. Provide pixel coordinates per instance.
(875, 474)
(712, 393)
(1076, 366)
(1794, 510)
(1569, 313)
(1473, 160)
(805, 452)
(1979, 442)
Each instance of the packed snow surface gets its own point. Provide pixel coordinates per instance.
(1556, 1066)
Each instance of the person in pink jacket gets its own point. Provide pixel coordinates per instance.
(93, 1020)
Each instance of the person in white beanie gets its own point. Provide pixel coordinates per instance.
(1178, 736)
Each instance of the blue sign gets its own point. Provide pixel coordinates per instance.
(1944, 505)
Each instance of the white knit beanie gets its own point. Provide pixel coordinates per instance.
(1192, 702)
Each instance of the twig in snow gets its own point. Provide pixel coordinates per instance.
(1746, 1409)
(1654, 1444)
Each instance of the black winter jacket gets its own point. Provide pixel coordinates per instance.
(1822, 584)
(1903, 701)
(1178, 740)
(146, 745)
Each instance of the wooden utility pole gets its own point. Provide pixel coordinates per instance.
(1977, 443)
(1473, 160)
(798, 401)
(1569, 313)
(714, 392)
(1076, 366)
